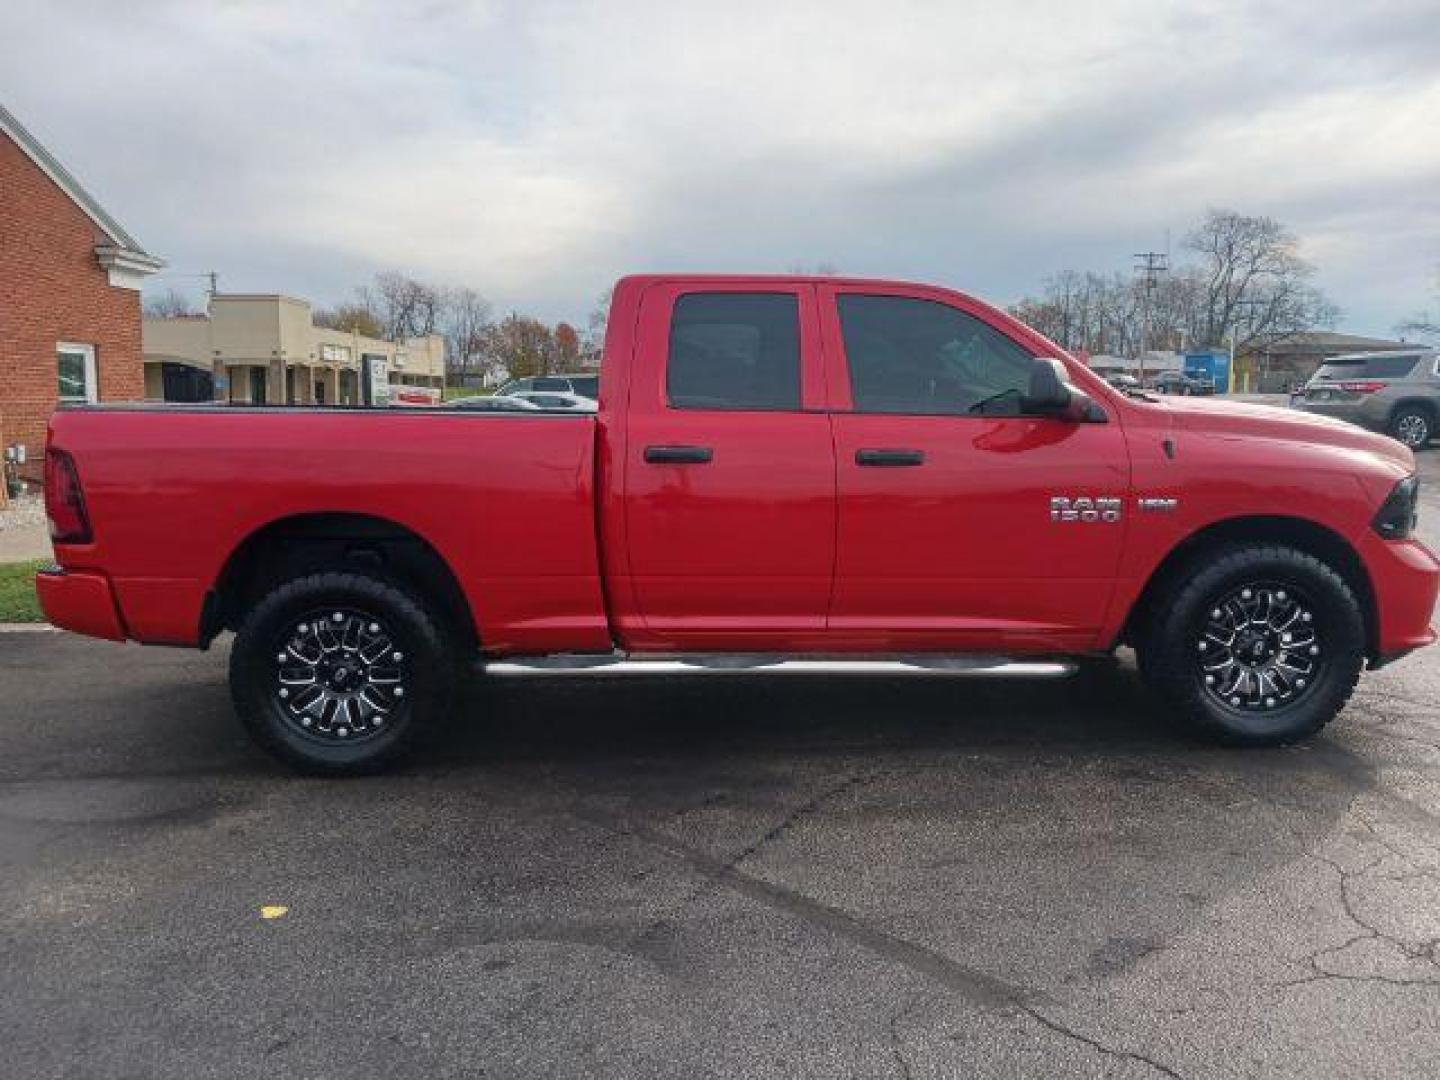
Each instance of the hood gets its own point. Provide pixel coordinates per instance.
(1217, 416)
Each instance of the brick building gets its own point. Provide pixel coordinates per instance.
(70, 279)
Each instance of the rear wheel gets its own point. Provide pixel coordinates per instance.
(338, 673)
(1413, 426)
(1259, 645)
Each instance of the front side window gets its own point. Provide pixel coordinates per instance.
(735, 351)
(551, 385)
(926, 358)
(75, 367)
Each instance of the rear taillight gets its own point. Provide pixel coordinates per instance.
(1400, 511)
(1362, 387)
(64, 501)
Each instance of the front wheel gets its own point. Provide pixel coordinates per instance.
(1413, 427)
(1257, 645)
(339, 673)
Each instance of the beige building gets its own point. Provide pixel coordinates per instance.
(255, 349)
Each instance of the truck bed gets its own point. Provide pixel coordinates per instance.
(174, 492)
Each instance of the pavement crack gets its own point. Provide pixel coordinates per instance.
(802, 811)
(1095, 1044)
(897, 1050)
(798, 813)
(974, 986)
(1368, 932)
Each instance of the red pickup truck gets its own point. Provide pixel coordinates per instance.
(784, 474)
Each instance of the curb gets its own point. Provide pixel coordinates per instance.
(28, 628)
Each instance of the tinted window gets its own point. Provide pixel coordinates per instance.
(919, 356)
(1367, 367)
(735, 351)
(562, 385)
(587, 385)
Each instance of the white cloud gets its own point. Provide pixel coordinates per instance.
(537, 149)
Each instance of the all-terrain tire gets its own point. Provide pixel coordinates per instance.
(381, 661)
(1183, 651)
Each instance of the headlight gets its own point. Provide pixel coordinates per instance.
(1397, 517)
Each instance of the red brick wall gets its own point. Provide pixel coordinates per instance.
(52, 290)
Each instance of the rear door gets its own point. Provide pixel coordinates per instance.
(729, 470)
(948, 535)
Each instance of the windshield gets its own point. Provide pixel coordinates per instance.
(1367, 367)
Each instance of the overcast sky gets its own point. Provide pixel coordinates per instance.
(538, 150)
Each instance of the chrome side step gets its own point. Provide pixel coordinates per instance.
(767, 664)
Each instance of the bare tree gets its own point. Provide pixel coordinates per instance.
(171, 304)
(1254, 284)
(592, 342)
(1094, 312)
(403, 306)
(1425, 325)
(1247, 281)
(464, 320)
(352, 318)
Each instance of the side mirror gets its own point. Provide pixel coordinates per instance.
(1051, 394)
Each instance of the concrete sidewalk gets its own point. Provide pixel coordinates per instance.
(23, 532)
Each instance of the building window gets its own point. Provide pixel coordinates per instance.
(75, 365)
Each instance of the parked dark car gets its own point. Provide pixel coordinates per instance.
(1180, 382)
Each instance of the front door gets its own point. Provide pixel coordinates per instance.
(729, 469)
(946, 537)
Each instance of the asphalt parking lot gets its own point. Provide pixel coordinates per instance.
(738, 877)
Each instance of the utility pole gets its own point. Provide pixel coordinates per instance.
(1150, 266)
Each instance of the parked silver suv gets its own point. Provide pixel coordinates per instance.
(1397, 393)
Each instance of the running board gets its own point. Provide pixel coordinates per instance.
(743, 664)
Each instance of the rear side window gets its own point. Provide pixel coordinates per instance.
(587, 385)
(734, 351)
(922, 357)
(1367, 367)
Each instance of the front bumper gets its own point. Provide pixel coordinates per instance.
(1405, 575)
(82, 602)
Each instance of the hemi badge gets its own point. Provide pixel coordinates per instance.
(1158, 506)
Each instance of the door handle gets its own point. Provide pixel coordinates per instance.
(678, 455)
(889, 459)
